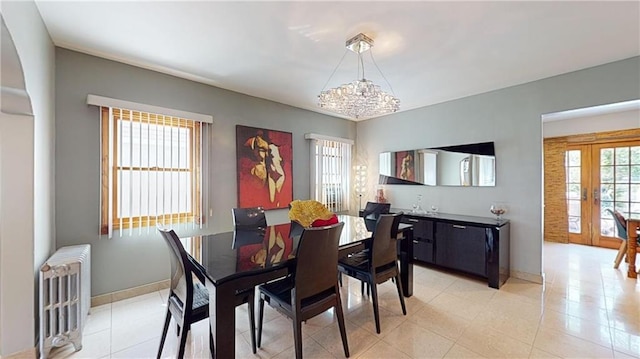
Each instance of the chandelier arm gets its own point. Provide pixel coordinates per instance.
(384, 77)
(334, 70)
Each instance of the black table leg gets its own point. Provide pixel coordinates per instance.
(406, 262)
(222, 320)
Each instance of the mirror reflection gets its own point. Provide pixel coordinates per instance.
(463, 165)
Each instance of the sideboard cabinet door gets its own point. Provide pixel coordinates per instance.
(461, 247)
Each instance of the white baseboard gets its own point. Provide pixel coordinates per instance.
(129, 293)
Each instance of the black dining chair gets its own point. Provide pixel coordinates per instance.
(379, 263)
(371, 212)
(252, 217)
(188, 302)
(311, 288)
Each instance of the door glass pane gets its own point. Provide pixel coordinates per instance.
(622, 156)
(573, 191)
(607, 227)
(606, 157)
(635, 174)
(606, 174)
(620, 165)
(574, 208)
(622, 174)
(573, 175)
(635, 193)
(574, 158)
(574, 203)
(635, 155)
(622, 193)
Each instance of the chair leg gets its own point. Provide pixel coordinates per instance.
(297, 337)
(376, 311)
(212, 348)
(343, 330)
(183, 339)
(252, 321)
(622, 251)
(260, 318)
(362, 285)
(400, 294)
(165, 329)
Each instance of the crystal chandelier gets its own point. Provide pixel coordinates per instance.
(361, 98)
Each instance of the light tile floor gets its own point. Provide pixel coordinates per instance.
(586, 309)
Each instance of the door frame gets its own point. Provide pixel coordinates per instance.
(554, 199)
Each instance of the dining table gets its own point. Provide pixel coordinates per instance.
(246, 257)
(632, 242)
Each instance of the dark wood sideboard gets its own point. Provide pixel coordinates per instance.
(475, 245)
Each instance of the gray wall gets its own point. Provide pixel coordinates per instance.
(511, 118)
(36, 52)
(120, 263)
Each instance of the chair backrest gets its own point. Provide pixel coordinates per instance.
(296, 229)
(384, 249)
(373, 210)
(252, 217)
(181, 267)
(621, 223)
(317, 260)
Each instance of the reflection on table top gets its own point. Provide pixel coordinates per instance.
(238, 253)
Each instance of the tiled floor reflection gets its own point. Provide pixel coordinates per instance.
(587, 309)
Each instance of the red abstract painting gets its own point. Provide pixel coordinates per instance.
(264, 165)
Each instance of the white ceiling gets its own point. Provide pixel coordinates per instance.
(430, 52)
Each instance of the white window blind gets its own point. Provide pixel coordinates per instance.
(152, 171)
(330, 171)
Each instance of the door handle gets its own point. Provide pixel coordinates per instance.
(584, 194)
(596, 195)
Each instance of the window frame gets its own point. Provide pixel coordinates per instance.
(109, 123)
(321, 151)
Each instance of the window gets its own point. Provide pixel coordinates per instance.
(151, 170)
(330, 169)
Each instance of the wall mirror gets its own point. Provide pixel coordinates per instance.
(472, 165)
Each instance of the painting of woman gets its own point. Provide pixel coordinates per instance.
(264, 160)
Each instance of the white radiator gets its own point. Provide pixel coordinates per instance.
(65, 297)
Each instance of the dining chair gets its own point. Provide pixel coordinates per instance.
(252, 217)
(379, 263)
(621, 226)
(311, 288)
(371, 212)
(188, 302)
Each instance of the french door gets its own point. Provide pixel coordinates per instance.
(599, 177)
